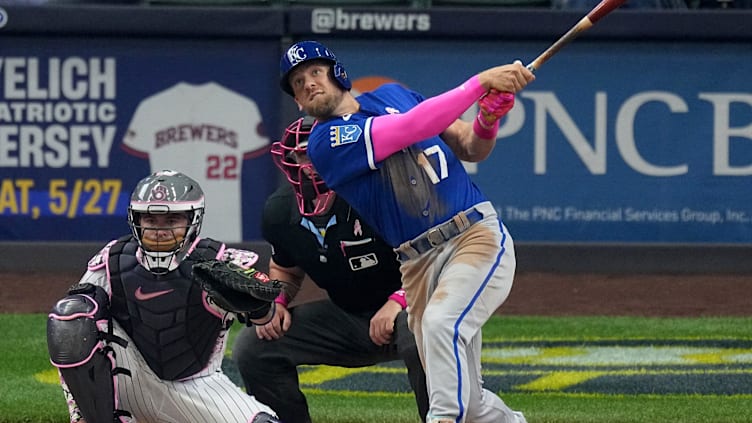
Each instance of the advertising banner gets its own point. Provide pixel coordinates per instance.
(82, 120)
(614, 142)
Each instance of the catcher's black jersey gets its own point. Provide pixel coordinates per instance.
(346, 258)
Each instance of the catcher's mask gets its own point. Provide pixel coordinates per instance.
(305, 51)
(162, 193)
(311, 193)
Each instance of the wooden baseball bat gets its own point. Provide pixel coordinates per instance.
(600, 10)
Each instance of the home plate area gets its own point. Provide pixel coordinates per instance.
(617, 367)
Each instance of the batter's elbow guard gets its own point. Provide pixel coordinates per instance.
(79, 349)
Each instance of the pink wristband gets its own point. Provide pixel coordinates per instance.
(483, 130)
(399, 297)
(281, 300)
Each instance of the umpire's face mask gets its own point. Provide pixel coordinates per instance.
(312, 195)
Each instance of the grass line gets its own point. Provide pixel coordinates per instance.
(29, 397)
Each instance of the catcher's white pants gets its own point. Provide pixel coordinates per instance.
(209, 398)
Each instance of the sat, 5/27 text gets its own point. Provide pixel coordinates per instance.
(90, 197)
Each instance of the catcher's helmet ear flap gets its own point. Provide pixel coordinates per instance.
(290, 155)
(305, 51)
(166, 192)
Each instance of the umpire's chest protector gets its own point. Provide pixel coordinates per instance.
(165, 316)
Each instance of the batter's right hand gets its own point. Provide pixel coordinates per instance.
(277, 326)
(506, 78)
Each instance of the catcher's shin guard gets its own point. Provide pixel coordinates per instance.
(263, 417)
(78, 348)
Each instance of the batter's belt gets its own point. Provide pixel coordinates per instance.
(443, 232)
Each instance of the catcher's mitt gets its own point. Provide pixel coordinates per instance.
(244, 291)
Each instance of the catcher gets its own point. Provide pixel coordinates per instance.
(142, 336)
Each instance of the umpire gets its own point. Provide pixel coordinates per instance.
(363, 322)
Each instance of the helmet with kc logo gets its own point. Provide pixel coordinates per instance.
(305, 51)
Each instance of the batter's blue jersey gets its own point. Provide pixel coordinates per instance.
(341, 149)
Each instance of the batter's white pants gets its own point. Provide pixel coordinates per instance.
(452, 290)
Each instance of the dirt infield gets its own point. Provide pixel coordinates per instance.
(546, 294)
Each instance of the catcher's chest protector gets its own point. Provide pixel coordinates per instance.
(165, 316)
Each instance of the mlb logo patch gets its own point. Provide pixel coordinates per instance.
(344, 134)
(363, 262)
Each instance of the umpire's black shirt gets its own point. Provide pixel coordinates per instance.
(358, 270)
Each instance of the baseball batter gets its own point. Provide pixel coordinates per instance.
(136, 340)
(395, 157)
(315, 233)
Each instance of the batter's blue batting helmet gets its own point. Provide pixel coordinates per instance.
(304, 51)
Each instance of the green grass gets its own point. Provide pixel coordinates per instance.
(24, 351)
(550, 408)
(27, 397)
(553, 328)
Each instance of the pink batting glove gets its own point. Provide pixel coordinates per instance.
(494, 105)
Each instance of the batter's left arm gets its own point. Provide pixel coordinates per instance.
(465, 143)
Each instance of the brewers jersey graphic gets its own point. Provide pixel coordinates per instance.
(205, 131)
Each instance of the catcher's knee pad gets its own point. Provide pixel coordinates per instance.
(263, 417)
(78, 348)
